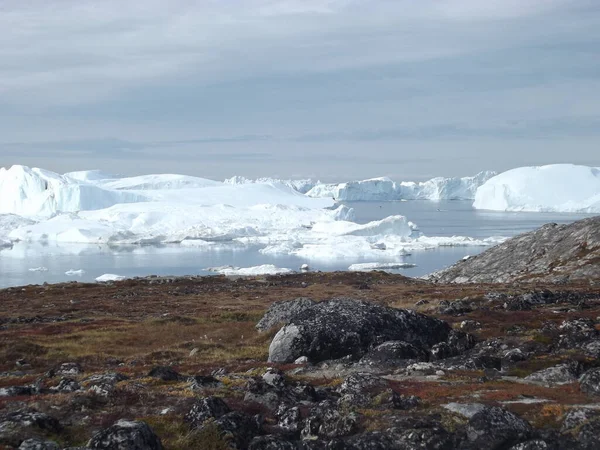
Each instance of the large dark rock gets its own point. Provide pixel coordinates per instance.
(238, 428)
(590, 382)
(341, 327)
(126, 435)
(556, 375)
(21, 425)
(392, 353)
(206, 408)
(550, 253)
(495, 428)
(280, 313)
(588, 437)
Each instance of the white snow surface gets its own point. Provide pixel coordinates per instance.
(552, 188)
(384, 189)
(367, 267)
(91, 207)
(265, 269)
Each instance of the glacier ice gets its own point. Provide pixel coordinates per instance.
(384, 189)
(94, 208)
(550, 188)
(367, 267)
(265, 269)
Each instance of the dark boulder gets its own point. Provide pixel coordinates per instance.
(166, 374)
(495, 428)
(206, 408)
(238, 428)
(340, 327)
(394, 352)
(280, 313)
(20, 425)
(126, 435)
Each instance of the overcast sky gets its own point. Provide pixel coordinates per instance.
(332, 89)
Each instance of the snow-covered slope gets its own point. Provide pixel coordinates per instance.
(41, 193)
(384, 189)
(551, 188)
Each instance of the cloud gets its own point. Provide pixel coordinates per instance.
(67, 52)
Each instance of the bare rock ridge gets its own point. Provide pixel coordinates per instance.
(554, 253)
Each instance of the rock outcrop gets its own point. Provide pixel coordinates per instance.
(555, 253)
(340, 327)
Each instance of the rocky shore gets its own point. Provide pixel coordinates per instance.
(308, 361)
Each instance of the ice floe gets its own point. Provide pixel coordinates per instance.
(367, 267)
(265, 269)
(110, 277)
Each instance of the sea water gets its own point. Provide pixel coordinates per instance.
(448, 218)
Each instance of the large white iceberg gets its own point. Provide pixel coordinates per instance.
(551, 188)
(384, 189)
(91, 207)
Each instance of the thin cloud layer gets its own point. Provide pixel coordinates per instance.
(216, 73)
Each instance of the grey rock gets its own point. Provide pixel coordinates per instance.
(126, 435)
(556, 375)
(495, 428)
(588, 437)
(280, 313)
(238, 428)
(340, 327)
(20, 425)
(590, 382)
(563, 251)
(38, 444)
(271, 443)
(577, 417)
(68, 385)
(69, 369)
(17, 391)
(534, 444)
(592, 349)
(206, 408)
(393, 353)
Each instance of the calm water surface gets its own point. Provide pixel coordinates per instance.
(454, 218)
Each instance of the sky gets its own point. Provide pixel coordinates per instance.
(328, 89)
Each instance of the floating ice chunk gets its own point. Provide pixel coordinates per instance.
(367, 267)
(551, 188)
(265, 269)
(110, 277)
(75, 273)
(304, 267)
(39, 269)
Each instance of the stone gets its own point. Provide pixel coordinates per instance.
(394, 352)
(590, 382)
(19, 425)
(69, 369)
(556, 375)
(282, 312)
(271, 443)
(165, 374)
(126, 435)
(206, 408)
(571, 250)
(37, 444)
(496, 428)
(239, 428)
(341, 327)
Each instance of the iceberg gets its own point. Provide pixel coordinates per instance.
(302, 186)
(110, 277)
(384, 189)
(368, 267)
(265, 269)
(551, 188)
(51, 211)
